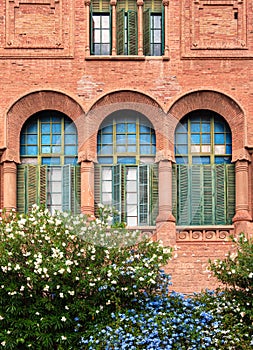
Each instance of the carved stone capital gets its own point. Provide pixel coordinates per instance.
(164, 155)
(241, 154)
(87, 156)
(113, 2)
(10, 156)
(87, 2)
(166, 2)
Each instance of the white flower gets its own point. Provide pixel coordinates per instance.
(1, 318)
(61, 271)
(61, 295)
(3, 343)
(46, 288)
(68, 262)
(66, 307)
(63, 319)
(113, 282)
(63, 337)
(251, 275)
(71, 292)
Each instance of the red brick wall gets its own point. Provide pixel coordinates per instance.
(43, 64)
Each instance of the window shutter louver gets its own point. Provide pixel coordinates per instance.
(66, 187)
(132, 32)
(208, 195)
(21, 188)
(116, 191)
(32, 186)
(43, 185)
(146, 33)
(230, 192)
(121, 32)
(183, 194)
(220, 203)
(153, 193)
(91, 31)
(143, 194)
(174, 191)
(97, 187)
(196, 195)
(75, 189)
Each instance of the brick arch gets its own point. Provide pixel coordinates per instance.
(125, 99)
(214, 101)
(30, 104)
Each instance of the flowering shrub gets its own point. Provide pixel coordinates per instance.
(235, 304)
(162, 322)
(59, 275)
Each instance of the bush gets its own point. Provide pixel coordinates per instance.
(59, 275)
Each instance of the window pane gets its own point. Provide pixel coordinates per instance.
(106, 150)
(228, 149)
(131, 138)
(195, 139)
(70, 160)
(107, 186)
(144, 129)
(45, 149)
(106, 174)
(45, 139)
(182, 138)
(144, 149)
(107, 138)
(195, 127)
(51, 161)
(131, 186)
(219, 139)
(145, 138)
(97, 36)
(132, 210)
(31, 150)
(56, 128)
(132, 198)
(228, 138)
(201, 160)
(107, 129)
(131, 221)
(181, 160)
(206, 148)
(70, 150)
(206, 139)
(157, 20)
(121, 139)
(195, 149)
(121, 149)
(68, 139)
(56, 149)
(181, 149)
(56, 139)
(96, 21)
(222, 160)
(105, 49)
(131, 149)
(219, 149)
(131, 173)
(126, 160)
(205, 127)
(31, 139)
(131, 127)
(218, 127)
(32, 128)
(45, 128)
(121, 127)
(105, 160)
(105, 21)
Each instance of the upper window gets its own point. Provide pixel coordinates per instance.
(126, 27)
(203, 176)
(48, 174)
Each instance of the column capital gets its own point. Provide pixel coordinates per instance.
(87, 2)
(87, 156)
(140, 2)
(113, 2)
(166, 2)
(241, 155)
(10, 156)
(164, 155)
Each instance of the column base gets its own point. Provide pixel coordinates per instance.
(242, 215)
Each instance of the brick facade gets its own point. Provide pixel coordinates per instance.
(45, 63)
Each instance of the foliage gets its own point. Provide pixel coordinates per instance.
(60, 274)
(235, 303)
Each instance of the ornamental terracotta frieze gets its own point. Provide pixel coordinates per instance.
(204, 235)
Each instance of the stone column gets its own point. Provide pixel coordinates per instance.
(166, 27)
(242, 215)
(113, 4)
(9, 185)
(87, 187)
(165, 223)
(140, 27)
(87, 10)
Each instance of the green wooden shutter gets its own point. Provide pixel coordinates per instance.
(66, 188)
(163, 31)
(43, 185)
(146, 32)
(196, 195)
(91, 31)
(75, 189)
(97, 187)
(121, 32)
(32, 186)
(154, 193)
(183, 185)
(208, 195)
(132, 32)
(143, 195)
(220, 197)
(21, 188)
(230, 173)
(117, 191)
(174, 191)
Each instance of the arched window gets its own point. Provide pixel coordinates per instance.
(126, 177)
(48, 173)
(203, 179)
